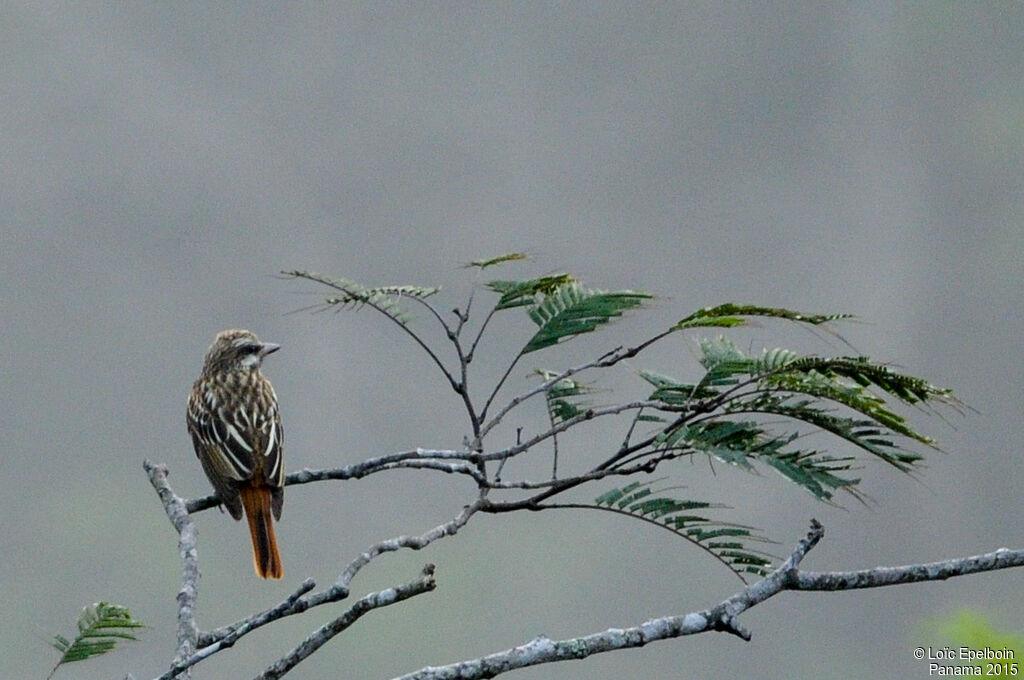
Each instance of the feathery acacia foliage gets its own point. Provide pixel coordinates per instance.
(571, 309)
(522, 293)
(730, 315)
(500, 259)
(384, 299)
(561, 396)
(730, 413)
(749, 411)
(725, 541)
(100, 626)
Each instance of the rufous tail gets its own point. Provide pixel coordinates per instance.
(265, 556)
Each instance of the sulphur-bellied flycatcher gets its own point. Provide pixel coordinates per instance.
(236, 431)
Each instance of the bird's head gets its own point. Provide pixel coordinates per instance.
(237, 350)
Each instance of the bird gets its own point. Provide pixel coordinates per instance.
(236, 431)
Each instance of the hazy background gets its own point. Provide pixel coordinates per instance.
(161, 162)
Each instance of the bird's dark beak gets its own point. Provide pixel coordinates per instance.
(268, 348)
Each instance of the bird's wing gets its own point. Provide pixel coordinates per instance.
(269, 435)
(222, 439)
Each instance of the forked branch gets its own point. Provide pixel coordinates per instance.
(722, 617)
(746, 410)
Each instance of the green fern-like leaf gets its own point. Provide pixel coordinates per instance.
(813, 471)
(685, 519)
(563, 397)
(722, 357)
(570, 310)
(866, 373)
(729, 315)
(722, 351)
(724, 361)
(672, 392)
(842, 380)
(100, 626)
(773, 360)
(522, 293)
(385, 299)
(860, 399)
(867, 434)
(500, 259)
(732, 442)
(614, 496)
(742, 443)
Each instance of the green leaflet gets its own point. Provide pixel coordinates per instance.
(865, 373)
(570, 310)
(562, 396)
(853, 396)
(842, 380)
(740, 443)
(562, 307)
(732, 442)
(385, 299)
(865, 433)
(673, 392)
(800, 388)
(500, 259)
(812, 471)
(100, 626)
(723, 361)
(639, 500)
(730, 314)
(722, 357)
(522, 293)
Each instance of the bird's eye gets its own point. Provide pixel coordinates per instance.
(251, 349)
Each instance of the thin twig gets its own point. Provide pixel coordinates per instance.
(567, 424)
(217, 641)
(354, 471)
(543, 387)
(227, 635)
(405, 328)
(1003, 558)
(494, 393)
(606, 360)
(480, 333)
(464, 361)
(449, 528)
(422, 584)
(589, 476)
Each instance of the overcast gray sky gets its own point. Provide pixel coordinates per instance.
(161, 162)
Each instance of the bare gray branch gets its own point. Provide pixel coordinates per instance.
(723, 617)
